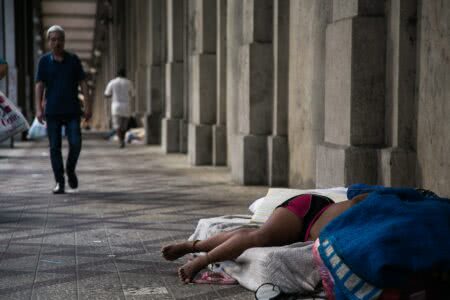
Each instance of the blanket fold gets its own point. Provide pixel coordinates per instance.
(392, 234)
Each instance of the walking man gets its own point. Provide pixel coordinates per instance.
(120, 89)
(59, 74)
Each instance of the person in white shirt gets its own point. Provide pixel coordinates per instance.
(120, 89)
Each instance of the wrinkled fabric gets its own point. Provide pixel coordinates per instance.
(392, 234)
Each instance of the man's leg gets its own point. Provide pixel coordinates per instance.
(73, 132)
(54, 137)
(123, 127)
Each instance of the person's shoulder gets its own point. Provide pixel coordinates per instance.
(115, 80)
(71, 55)
(45, 57)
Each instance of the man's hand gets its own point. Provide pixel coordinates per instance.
(40, 116)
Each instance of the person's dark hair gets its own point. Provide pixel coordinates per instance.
(122, 73)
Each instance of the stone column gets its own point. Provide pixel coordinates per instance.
(307, 31)
(130, 52)
(354, 94)
(2, 41)
(9, 33)
(398, 161)
(202, 80)
(173, 77)
(278, 168)
(152, 120)
(433, 92)
(141, 61)
(219, 130)
(233, 41)
(255, 93)
(9, 44)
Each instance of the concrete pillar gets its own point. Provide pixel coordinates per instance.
(354, 94)
(142, 61)
(278, 160)
(9, 44)
(202, 80)
(255, 93)
(219, 131)
(433, 122)
(307, 31)
(9, 33)
(234, 39)
(2, 40)
(153, 116)
(174, 83)
(397, 162)
(154, 73)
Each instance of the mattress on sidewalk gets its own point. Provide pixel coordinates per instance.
(290, 267)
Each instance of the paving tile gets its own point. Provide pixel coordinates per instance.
(104, 241)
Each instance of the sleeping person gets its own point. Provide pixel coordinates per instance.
(298, 219)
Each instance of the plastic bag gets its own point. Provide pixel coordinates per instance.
(37, 130)
(12, 121)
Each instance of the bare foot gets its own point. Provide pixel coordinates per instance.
(188, 271)
(174, 251)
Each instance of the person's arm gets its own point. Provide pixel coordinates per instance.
(87, 100)
(39, 101)
(108, 90)
(132, 90)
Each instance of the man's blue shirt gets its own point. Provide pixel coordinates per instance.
(61, 80)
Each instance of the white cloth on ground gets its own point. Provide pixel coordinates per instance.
(290, 267)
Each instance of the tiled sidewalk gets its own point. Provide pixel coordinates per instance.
(104, 241)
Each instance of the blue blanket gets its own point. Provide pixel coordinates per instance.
(383, 240)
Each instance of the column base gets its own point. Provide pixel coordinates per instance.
(152, 125)
(338, 165)
(170, 135)
(200, 144)
(397, 167)
(184, 136)
(278, 161)
(250, 163)
(219, 145)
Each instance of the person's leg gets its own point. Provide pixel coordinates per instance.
(123, 127)
(282, 228)
(73, 132)
(174, 251)
(54, 137)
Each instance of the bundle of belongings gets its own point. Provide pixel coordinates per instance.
(12, 121)
(393, 245)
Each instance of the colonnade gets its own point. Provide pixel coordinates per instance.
(291, 93)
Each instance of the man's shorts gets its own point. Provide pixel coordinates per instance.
(120, 123)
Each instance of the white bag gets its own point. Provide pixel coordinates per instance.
(12, 121)
(37, 130)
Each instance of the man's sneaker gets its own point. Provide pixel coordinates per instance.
(58, 189)
(72, 180)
